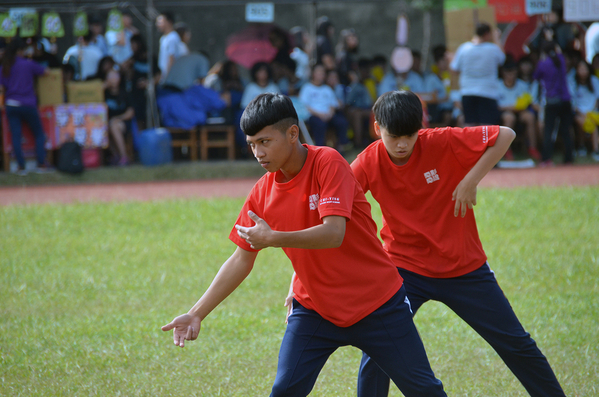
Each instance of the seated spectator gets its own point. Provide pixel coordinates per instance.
(119, 43)
(359, 104)
(83, 57)
(347, 50)
(514, 102)
(325, 49)
(283, 76)
(332, 80)
(187, 70)
(378, 70)
(279, 39)
(585, 96)
(135, 77)
(299, 54)
(105, 65)
(261, 74)
(439, 83)
(388, 82)
(323, 105)
(120, 113)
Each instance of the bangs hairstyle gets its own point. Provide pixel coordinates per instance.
(266, 110)
(399, 112)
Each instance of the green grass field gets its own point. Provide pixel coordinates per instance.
(86, 287)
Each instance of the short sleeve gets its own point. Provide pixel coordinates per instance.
(243, 219)
(172, 47)
(36, 68)
(360, 174)
(455, 62)
(337, 186)
(469, 143)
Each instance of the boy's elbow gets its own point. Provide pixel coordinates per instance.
(507, 132)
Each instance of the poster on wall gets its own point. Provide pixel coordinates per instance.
(84, 123)
(507, 11)
(535, 7)
(581, 10)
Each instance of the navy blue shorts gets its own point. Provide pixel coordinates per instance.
(479, 110)
(478, 300)
(388, 335)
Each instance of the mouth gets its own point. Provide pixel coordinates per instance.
(264, 164)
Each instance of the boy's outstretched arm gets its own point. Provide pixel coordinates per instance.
(464, 194)
(231, 274)
(329, 234)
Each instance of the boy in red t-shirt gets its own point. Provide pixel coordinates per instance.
(348, 291)
(425, 181)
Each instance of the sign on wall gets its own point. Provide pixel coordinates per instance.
(581, 10)
(535, 7)
(260, 12)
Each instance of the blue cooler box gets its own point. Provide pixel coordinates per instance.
(155, 147)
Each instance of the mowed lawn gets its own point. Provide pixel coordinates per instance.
(85, 288)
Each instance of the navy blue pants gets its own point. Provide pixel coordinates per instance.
(477, 298)
(388, 335)
(318, 129)
(29, 114)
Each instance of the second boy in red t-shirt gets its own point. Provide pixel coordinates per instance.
(423, 180)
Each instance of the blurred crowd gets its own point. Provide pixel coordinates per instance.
(334, 87)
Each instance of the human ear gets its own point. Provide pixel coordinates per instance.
(377, 129)
(293, 133)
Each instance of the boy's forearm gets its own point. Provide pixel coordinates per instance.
(492, 155)
(228, 278)
(330, 234)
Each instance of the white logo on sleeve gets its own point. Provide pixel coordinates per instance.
(431, 176)
(485, 134)
(313, 200)
(330, 200)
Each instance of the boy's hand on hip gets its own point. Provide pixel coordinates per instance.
(185, 327)
(464, 196)
(256, 236)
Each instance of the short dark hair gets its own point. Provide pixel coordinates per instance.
(482, 29)
(169, 16)
(400, 112)
(268, 109)
(257, 66)
(439, 52)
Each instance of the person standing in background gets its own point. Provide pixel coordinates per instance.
(551, 72)
(477, 62)
(170, 43)
(119, 43)
(17, 76)
(84, 57)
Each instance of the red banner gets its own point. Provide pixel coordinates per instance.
(509, 10)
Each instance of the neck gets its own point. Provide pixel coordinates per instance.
(295, 163)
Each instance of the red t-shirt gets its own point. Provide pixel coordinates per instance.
(342, 284)
(420, 232)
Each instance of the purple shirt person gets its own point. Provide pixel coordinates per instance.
(551, 71)
(17, 76)
(18, 85)
(553, 79)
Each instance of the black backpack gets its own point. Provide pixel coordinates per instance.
(69, 158)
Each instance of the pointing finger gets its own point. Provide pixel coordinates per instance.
(167, 327)
(456, 208)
